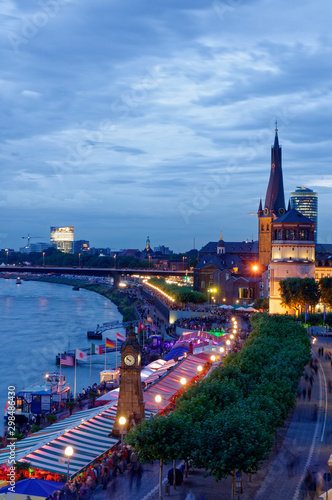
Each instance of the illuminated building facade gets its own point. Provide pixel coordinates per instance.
(63, 238)
(305, 201)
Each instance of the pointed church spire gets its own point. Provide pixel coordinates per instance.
(275, 198)
(289, 206)
(260, 209)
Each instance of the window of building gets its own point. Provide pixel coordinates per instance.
(202, 284)
(245, 293)
(287, 234)
(280, 234)
(262, 227)
(292, 234)
(267, 227)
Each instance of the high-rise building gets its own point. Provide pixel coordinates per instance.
(274, 204)
(305, 201)
(63, 238)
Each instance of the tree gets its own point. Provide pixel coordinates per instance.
(156, 439)
(325, 285)
(296, 293)
(261, 303)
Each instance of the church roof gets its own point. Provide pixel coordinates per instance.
(293, 217)
(222, 261)
(231, 246)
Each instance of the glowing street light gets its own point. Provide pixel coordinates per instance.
(234, 331)
(158, 400)
(43, 259)
(222, 349)
(122, 421)
(231, 336)
(255, 268)
(183, 381)
(213, 358)
(228, 342)
(199, 369)
(68, 452)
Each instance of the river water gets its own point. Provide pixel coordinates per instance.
(39, 320)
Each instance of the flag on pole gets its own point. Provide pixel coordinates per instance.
(81, 355)
(136, 329)
(66, 360)
(96, 349)
(149, 320)
(109, 343)
(141, 326)
(120, 337)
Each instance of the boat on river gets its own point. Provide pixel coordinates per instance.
(18, 281)
(42, 396)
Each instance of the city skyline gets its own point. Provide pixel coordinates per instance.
(146, 119)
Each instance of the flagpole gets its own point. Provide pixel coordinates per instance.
(75, 379)
(116, 352)
(105, 353)
(90, 361)
(60, 380)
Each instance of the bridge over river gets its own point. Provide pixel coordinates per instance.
(115, 273)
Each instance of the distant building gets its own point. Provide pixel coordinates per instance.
(162, 250)
(63, 238)
(305, 201)
(81, 246)
(36, 247)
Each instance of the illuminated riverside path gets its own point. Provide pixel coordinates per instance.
(38, 320)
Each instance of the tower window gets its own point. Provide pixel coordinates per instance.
(287, 234)
(262, 227)
(267, 227)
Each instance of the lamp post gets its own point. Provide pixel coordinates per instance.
(7, 257)
(43, 259)
(183, 381)
(199, 369)
(222, 349)
(158, 401)
(122, 421)
(115, 260)
(79, 260)
(68, 452)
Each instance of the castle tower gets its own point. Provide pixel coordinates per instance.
(293, 254)
(274, 204)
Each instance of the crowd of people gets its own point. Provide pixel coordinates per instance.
(103, 473)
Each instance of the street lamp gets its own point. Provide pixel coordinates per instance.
(68, 452)
(149, 261)
(222, 349)
(232, 336)
(79, 260)
(183, 381)
(115, 260)
(43, 259)
(122, 421)
(7, 257)
(213, 358)
(199, 369)
(158, 400)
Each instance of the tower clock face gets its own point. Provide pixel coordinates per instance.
(281, 211)
(129, 360)
(266, 211)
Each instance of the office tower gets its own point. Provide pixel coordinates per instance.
(63, 238)
(305, 201)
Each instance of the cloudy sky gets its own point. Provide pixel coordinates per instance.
(128, 119)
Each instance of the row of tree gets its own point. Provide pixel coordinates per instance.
(227, 422)
(298, 293)
(182, 294)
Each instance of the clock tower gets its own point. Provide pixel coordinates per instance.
(130, 402)
(274, 206)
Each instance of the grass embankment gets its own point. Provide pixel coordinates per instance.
(228, 421)
(182, 294)
(124, 305)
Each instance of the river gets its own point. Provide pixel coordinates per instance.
(39, 320)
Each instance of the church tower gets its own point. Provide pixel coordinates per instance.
(274, 204)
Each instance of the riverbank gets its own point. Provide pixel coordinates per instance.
(125, 306)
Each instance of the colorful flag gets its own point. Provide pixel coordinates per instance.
(109, 343)
(136, 329)
(149, 320)
(141, 326)
(81, 355)
(66, 360)
(153, 328)
(120, 337)
(96, 349)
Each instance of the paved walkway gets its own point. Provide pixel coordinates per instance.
(303, 445)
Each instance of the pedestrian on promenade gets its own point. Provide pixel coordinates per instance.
(315, 412)
(309, 392)
(310, 485)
